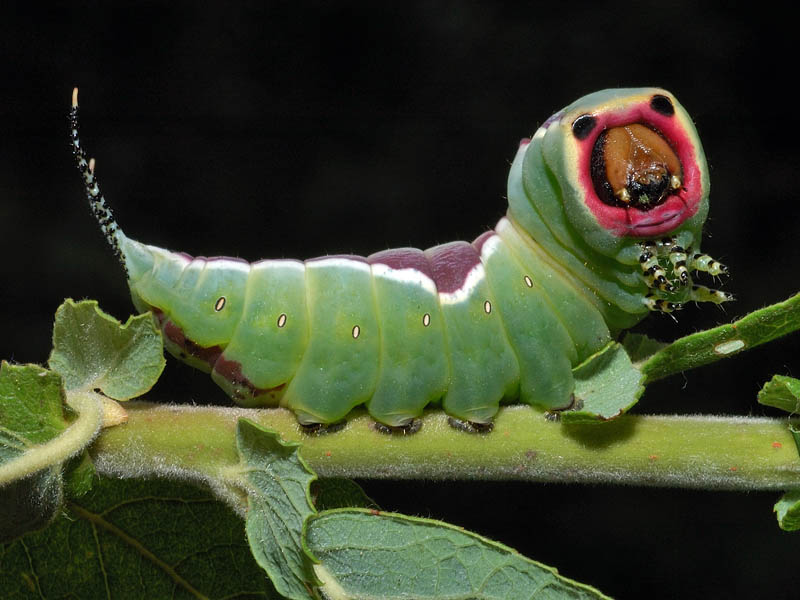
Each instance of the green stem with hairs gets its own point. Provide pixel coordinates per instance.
(733, 453)
(708, 346)
(89, 408)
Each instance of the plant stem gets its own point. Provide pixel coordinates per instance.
(711, 345)
(89, 407)
(696, 452)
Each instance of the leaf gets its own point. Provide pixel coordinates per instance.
(640, 347)
(79, 475)
(607, 384)
(31, 408)
(93, 350)
(788, 511)
(795, 436)
(31, 414)
(709, 346)
(339, 492)
(277, 483)
(136, 539)
(29, 503)
(365, 554)
(781, 392)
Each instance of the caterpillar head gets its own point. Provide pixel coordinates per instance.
(627, 165)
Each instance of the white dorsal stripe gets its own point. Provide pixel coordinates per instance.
(471, 281)
(407, 275)
(490, 246)
(344, 263)
(283, 263)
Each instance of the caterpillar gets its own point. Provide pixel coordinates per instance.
(606, 204)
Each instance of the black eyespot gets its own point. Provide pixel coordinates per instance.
(663, 105)
(582, 126)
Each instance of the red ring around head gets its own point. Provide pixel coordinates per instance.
(626, 221)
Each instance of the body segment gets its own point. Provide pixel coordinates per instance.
(606, 206)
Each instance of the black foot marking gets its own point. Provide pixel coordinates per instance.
(470, 426)
(653, 273)
(678, 257)
(322, 428)
(575, 403)
(660, 305)
(413, 426)
(554, 415)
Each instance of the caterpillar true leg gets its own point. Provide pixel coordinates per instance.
(703, 262)
(654, 274)
(677, 258)
(700, 293)
(656, 304)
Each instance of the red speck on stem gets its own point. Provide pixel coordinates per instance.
(777, 445)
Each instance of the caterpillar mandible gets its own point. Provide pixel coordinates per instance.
(606, 206)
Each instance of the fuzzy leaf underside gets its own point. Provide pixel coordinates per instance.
(787, 510)
(93, 350)
(607, 385)
(277, 483)
(32, 413)
(44, 429)
(781, 392)
(365, 554)
(338, 492)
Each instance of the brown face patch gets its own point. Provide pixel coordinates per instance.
(634, 166)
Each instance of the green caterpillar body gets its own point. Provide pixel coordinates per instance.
(606, 206)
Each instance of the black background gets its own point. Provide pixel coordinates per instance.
(295, 130)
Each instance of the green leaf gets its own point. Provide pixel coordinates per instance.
(32, 413)
(31, 408)
(93, 350)
(29, 503)
(788, 511)
(367, 555)
(277, 483)
(709, 346)
(339, 492)
(79, 475)
(781, 392)
(607, 384)
(136, 539)
(795, 436)
(640, 347)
